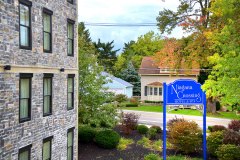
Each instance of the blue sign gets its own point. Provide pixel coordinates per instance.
(183, 92)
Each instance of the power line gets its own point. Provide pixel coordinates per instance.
(121, 24)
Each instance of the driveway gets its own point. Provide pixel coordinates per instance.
(153, 118)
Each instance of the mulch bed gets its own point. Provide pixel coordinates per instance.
(133, 152)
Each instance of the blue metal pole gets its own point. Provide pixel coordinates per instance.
(164, 122)
(204, 127)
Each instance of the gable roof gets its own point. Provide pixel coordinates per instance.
(149, 66)
(119, 80)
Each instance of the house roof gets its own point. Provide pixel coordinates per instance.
(149, 66)
(119, 80)
(155, 84)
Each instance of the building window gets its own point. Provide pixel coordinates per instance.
(47, 148)
(70, 91)
(25, 97)
(47, 94)
(160, 91)
(25, 37)
(70, 33)
(25, 153)
(151, 91)
(70, 1)
(155, 91)
(70, 135)
(47, 30)
(145, 90)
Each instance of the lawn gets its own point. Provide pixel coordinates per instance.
(228, 115)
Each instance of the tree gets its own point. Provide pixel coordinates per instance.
(130, 75)
(91, 90)
(106, 55)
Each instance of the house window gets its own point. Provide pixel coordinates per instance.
(25, 36)
(25, 97)
(70, 1)
(47, 94)
(70, 135)
(151, 91)
(155, 91)
(70, 33)
(160, 91)
(47, 30)
(70, 91)
(25, 153)
(47, 148)
(145, 90)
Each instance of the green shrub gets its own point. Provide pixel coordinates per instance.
(228, 152)
(131, 105)
(234, 125)
(152, 156)
(121, 98)
(145, 142)
(210, 128)
(142, 129)
(151, 134)
(214, 140)
(185, 136)
(86, 134)
(218, 128)
(231, 137)
(107, 139)
(159, 129)
(123, 143)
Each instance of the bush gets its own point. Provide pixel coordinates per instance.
(123, 143)
(231, 137)
(129, 122)
(159, 129)
(151, 134)
(174, 120)
(152, 156)
(107, 139)
(234, 125)
(210, 128)
(228, 152)
(158, 102)
(218, 128)
(86, 134)
(131, 105)
(214, 140)
(185, 136)
(142, 129)
(121, 98)
(133, 100)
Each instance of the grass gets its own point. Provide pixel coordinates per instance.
(228, 115)
(124, 143)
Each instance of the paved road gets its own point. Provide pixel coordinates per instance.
(153, 118)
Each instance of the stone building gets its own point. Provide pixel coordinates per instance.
(38, 79)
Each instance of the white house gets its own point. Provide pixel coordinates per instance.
(153, 76)
(118, 85)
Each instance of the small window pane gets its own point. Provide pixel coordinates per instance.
(70, 84)
(25, 88)
(151, 90)
(24, 15)
(24, 36)
(160, 91)
(47, 104)
(47, 86)
(47, 41)
(70, 138)
(155, 91)
(24, 108)
(47, 22)
(47, 150)
(24, 155)
(70, 30)
(70, 100)
(70, 46)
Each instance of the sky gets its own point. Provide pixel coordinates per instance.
(123, 11)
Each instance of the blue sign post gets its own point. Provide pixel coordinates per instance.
(183, 92)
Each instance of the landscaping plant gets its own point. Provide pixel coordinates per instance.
(159, 129)
(214, 140)
(218, 128)
(152, 156)
(107, 139)
(123, 143)
(228, 152)
(121, 98)
(86, 134)
(174, 120)
(142, 129)
(231, 137)
(152, 133)
(129, 122)
(234, 125)
(185, 136)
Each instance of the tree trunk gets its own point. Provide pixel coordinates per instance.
(211, 105)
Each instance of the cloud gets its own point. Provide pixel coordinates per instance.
(122, 11)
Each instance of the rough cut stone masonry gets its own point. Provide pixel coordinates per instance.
(15, 135)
